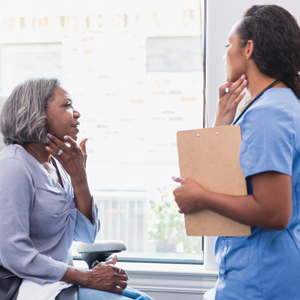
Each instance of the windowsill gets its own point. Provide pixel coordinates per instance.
(166, 268)
(158, 268)
(154, 278)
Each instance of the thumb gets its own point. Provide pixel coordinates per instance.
(112, 261)
(178, 179)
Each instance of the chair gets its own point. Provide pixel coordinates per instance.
(92, 255)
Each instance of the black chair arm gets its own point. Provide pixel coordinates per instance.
(99, 251)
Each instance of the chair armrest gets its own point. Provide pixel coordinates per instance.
(99, 251)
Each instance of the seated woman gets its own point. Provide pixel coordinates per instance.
(45, 198)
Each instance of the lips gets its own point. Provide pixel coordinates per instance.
(76, 127)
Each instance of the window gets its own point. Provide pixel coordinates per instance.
(135, 74)
(174, 54)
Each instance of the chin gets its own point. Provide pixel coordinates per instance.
(74, 137)
(227, 77)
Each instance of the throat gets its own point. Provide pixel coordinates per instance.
(53, 172)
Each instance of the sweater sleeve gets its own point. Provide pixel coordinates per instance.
(85, 231)
(17, 251)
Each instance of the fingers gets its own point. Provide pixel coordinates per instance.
(234, 88)
(178, 179)
(223, 87)
(239, 99)
(55, 144)
(237, 87)
(122, 277)
(121, 272)
(119, 288)
(82, 145)
(52, 148)
(108, 277)
(52, 152)
(69, 140)
(123, 284)
(112, 261)
(55, 141)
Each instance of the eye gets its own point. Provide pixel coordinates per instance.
(68, 104)
(226, 46)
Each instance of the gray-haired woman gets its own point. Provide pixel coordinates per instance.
(45, 198)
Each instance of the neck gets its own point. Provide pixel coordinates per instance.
(38, 151)
(257, 82)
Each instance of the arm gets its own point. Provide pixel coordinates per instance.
(266, 154)
(269, 207)
(229, 102)
(73, 160)
(86, 231)
(17, 251)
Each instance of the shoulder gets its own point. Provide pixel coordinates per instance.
(277, 107)
(13, 163)
(281, 101)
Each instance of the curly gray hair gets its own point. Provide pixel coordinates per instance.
(23, 118)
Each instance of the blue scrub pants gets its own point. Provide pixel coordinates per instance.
(128, 293)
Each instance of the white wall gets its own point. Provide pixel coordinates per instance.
(221, 15)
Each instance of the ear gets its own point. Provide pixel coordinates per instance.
(249, 49)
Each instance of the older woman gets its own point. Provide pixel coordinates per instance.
(45, 198)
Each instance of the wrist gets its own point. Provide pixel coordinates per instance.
(203, 199)
(75, 276)
(79, 179)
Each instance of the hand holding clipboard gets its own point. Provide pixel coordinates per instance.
(210, 157)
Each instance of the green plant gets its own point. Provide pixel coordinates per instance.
(166, 224)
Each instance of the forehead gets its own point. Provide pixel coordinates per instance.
(61, 94)
(232, 32)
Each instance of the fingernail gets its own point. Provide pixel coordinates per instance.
(243, 76)
(49, 135)
(65, 137)
(47, 148)
(245, 82)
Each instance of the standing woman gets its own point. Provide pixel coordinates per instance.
(263, 54)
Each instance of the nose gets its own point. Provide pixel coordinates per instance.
(76, 114)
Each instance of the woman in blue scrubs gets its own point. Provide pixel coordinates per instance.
(263, 55)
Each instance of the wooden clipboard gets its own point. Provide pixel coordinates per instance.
(210, 156)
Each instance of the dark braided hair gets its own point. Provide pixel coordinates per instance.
(276, 37)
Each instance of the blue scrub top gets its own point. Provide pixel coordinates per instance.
(266, 264)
